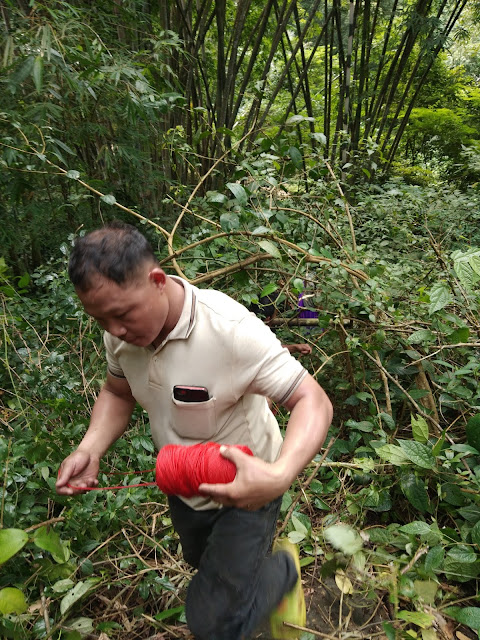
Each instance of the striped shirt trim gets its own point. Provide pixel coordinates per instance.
(293, 386)
(116, 375)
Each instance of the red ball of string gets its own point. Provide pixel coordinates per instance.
(182, 469)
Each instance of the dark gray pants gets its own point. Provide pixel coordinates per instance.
(238, 583)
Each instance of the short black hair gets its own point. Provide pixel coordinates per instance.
(117, 251)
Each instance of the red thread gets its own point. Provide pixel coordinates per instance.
(181, 469)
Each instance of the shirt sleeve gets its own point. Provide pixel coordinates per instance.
(113, 365)
(261, 365)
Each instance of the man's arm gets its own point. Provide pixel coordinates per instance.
(110, 416)
(258, 482)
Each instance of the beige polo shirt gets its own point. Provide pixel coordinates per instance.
(218, 344)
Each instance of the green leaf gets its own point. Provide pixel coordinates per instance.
(343, 538)
(421, 336)
(418, 453)
(37, 73)
(426, 590)
(419, 428)
(414, 490)
(463, 554)
(298, 118)
(12, 600)
(392, 454)
(268, 289)
(422, 620)
(270, 248)
(229, 221)
(49, 540)
(460, 571)
(11, 541)
(217, 197)
(299, 526)
(170, 613)
(469, 616)
(440, 297)
(459, 335)
(74, 175)
(78, 591)
(416, 528)
(434, 558)
(81, 626)
(108, 199)
(296, 157)
(475, 534)
(296, 536)
(239, 192)
(389, 630)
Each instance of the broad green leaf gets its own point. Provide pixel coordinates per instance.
(389, 630)
(459, 335)
(343, 538)
(434, 558)
(270, 248)
(37, 73)
(475, 263)
(426, 590)
(82, 626)
(170, 613)
(440, 297)
(422, 620)
(73, 174)
(239, 192)
(108, 199)
(296, 536)
(61, 586)
(414, 490)
(392, 454)
(296, 157)
(469, 616)
(460, 571)
(421, 336)
(298, 118)
(229, 221)
(78, 591)
(12, 600)
(475, 533)
(418, 453)
(49, 540)
(462, 553)
(268, 289)
(299, 526)
(215, 196)
(419, 428)
(11, 541)
(467, 276)
(417, 528)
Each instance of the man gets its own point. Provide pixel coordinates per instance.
(161, 332)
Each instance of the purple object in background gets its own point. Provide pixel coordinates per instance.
(305, 313)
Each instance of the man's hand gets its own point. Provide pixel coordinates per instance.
(80, 469)
(257, 482)
(302, 349)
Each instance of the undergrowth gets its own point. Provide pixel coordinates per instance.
(387, 516)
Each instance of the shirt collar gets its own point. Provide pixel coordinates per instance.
(186, 322)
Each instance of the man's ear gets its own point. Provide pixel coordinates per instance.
(158, 277)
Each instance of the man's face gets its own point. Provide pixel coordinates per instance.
(134, 312)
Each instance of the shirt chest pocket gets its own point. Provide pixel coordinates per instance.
(195, 420)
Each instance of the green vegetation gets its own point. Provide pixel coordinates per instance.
(251, 177)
